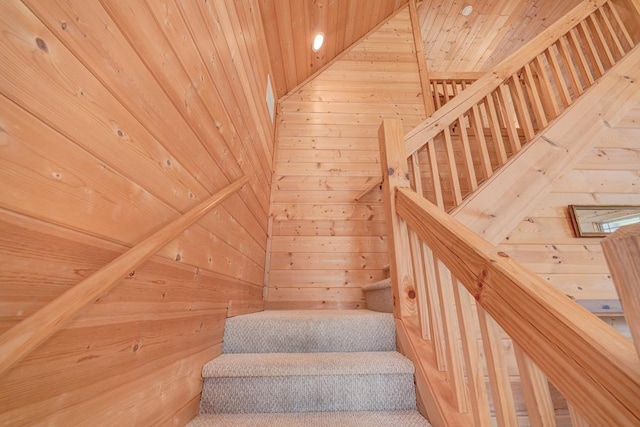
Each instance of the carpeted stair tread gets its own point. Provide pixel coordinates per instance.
(304, 331)
(381, 284)
(300, 364)
(313, 419)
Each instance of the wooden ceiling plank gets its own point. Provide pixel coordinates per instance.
(268, 15)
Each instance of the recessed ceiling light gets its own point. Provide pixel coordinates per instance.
(318, 40)
(466, 11)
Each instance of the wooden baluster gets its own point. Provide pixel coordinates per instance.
(534, 98)
(481, 141)
(435, 174)
(454, 359)
(476, 124)
(536, 391)
(436, 94)
(522, 110)
(445, 87)
(498, 375)
(622, 252)
(576, 419)
(623, 28)
(453, 168)
(510, 117)
(417, 254)
(549, 99)
(611, 32)
(496, 130)
(565, 54)
(601, 41)
(467, 156)
(420, 278)
(466, 148)
(475, 375)
(592, 51)
(583, 65)
(437, 328)
(417, 173)
(558, 77)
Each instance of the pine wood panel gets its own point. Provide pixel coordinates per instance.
(328, 260)
(290, 26)
(492, 32)
(327, 154)
(327, 228)
(114, 122)
(545, 241)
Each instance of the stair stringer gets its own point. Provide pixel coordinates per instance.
(504, 200)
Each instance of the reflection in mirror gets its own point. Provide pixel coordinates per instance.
(598, 221)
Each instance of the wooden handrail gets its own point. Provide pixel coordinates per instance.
(376, 184)
(591, 364)
(473, 94)
(27, 335)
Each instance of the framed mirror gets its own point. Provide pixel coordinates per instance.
(600, 221)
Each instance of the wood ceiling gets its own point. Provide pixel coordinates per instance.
(290, 26)
(495, 29)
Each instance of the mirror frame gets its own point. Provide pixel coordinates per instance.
(576, 225)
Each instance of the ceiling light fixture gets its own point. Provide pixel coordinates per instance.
(318, 41)
(466, 11)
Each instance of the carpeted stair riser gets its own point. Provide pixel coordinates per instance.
(308, 382)
(309, 394)
(314, 419)
(304, 332)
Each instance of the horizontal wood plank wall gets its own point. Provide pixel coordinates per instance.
(116, 117)
(545, 242)
(325, 245)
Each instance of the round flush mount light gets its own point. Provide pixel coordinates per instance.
(318, 41)
(466, 11)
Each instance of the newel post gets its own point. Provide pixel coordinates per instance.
(622, 252)
(395, 174)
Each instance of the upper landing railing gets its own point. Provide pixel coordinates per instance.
(474, 133)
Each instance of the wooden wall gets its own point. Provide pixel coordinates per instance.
(544, 241)
(115, 117)
(324, 244)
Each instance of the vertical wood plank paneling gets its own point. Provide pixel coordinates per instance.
(327, 155)
(116, 118)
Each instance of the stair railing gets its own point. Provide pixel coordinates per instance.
(26, 336)
(444, 89)
(477, 130)
(469, 292)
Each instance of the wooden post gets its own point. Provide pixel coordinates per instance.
(395, 174)
(622, 252)
(425, 82)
